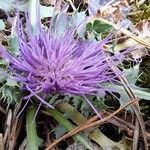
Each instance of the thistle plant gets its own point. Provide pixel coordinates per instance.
(50, 63)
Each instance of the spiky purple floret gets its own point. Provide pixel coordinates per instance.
(52, 63)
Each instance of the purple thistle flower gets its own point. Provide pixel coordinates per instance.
(49, 63)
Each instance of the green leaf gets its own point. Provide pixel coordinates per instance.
(2, 63)
(46, 11)
(132, 74)
(2, 25)
(13, 45)
(3, 76)
(143, 93)
(59, 131)
(11, 82)
(107, 144)
(33, 141)
(101, 27)
(78, 19)
(71, 112)
(25, 5)
(68, 126)
(7, 5)
(10, 94)
(89, 26)
(7, 92)
(9, 89)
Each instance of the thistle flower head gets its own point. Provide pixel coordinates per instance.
(49, 62)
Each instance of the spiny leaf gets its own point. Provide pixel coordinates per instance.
(9, 89)
(11, 82)
(10, 94)
(33, 141)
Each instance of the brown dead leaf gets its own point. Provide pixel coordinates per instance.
(142, 29)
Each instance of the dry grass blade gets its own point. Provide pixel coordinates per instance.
(7, 128)
(72, 5)
(2, 110)
(12, 128)
(23, 145)
(1, 142)
(88, 125)
(15, 129)
(136, 135)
